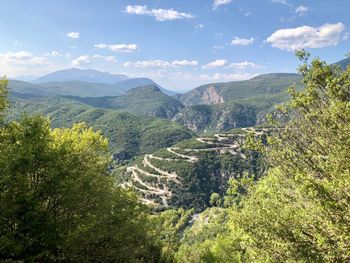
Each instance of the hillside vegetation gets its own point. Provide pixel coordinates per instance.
(224, 106)
(298, 211)
(187, 174)
(260, 86)
(129, 135)
(277, 194)
(149, 100)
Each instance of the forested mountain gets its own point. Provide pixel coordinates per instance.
(209, 108)
(83, 83)
(343, 63)
(227, 105)
(129, 135)
(149, 100)
(188, 173)
(260, 86)
(217, 117)
(73, 88)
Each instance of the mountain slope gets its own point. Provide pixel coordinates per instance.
(186, 174)
(87, 75)
(228, 105)
(343, 63)
(143, 100)
(263, 85)
(129, 135)
(73, 88)
(139, 82)
(218, 117)
(81, 88)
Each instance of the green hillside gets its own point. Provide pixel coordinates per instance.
(263, 85)
(129, 135)
(343, 63)
(217, 117)
(148, 100)
(73, 88)
(188, 173)
(227, 105)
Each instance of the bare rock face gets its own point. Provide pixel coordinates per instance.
(211, 96)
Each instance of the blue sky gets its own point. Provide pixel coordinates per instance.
(179, 44)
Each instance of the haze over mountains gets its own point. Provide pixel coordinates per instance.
(93, 83)
(88, 75)
(78, 82)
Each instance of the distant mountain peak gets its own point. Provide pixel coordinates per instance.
(343, 63)
(86, 75)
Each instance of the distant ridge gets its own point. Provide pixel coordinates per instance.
(343, 63)
(86, 75)
(213, 93)
(149, 100)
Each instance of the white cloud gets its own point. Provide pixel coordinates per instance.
(74, 35)
(283, 2)
(53, 53)
(148, 64)
(243, 65)
(218, 3)
(105, 58)
(301, 9)
(242, 41)
(23, 63)
(216, 64)
(216, 48)
(158, 14)
(161, 63)
(184, 63)
(307, 37)
(221, 77)
(123, 48)
(87, 60)
(82, 60)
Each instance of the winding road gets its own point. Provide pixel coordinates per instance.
(161, 188)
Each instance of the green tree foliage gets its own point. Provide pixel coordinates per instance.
(300, 211)
(129, 135)
(169, 227)
(58, 203)
(3, 97)
(215, 199)
(202, 241)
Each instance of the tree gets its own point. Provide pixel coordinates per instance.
(3, 97)
(58, 202)
(215, 200)
(299, 211)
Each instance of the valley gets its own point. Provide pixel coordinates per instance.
(197, 169)
(208, 131)
(156, 176)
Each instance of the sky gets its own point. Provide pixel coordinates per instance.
(179, 44)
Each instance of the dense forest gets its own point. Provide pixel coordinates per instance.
(284, 196)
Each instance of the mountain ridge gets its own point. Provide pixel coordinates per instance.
(149, 100)
(87, 75)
